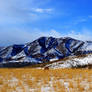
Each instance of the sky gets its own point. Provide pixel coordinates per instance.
(23, 21)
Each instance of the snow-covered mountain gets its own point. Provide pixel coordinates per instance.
(47, 51)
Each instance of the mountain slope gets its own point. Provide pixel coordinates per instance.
(43, 50)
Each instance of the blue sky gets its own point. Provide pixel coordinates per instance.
(25, 20)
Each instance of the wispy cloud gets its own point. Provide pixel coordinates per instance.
(81, 20)
(41, 10)
(84, 35)
(19, 36)
(51, 32)
(19, 11)
(90, 16)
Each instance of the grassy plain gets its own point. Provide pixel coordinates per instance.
(39, 80)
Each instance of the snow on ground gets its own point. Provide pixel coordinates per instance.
(74, 62)
(53, 59)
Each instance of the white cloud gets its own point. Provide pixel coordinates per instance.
(52, 32)
(40, 10)
(84, 35)
(19, 11)
(19, 36)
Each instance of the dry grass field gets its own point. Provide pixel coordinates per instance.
(52, 80)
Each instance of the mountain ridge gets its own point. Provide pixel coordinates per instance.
(43, 50)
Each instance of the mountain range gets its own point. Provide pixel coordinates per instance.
(64, 52)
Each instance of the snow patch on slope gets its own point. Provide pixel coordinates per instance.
(75, 62)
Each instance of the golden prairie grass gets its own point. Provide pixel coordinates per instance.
(52, 80)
